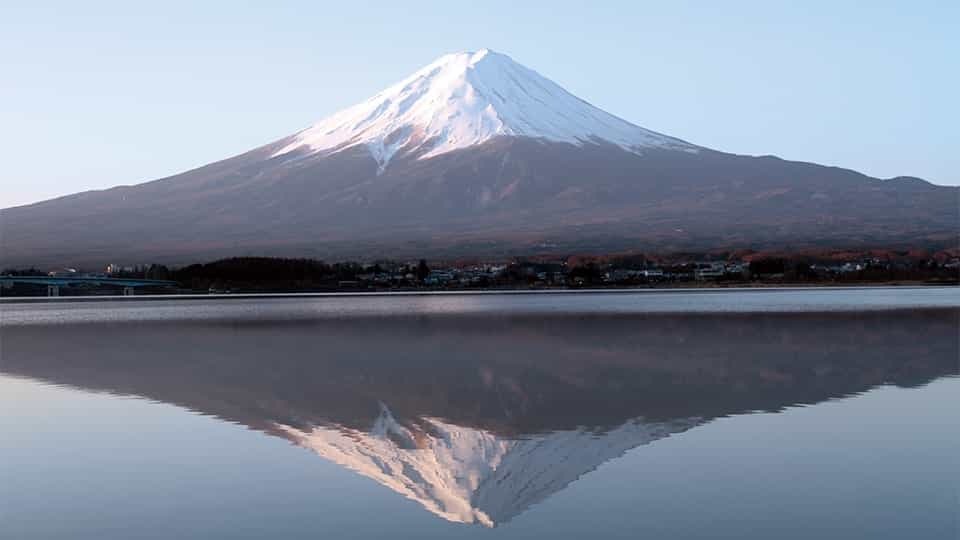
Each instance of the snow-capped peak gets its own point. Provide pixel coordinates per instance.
(465, 99)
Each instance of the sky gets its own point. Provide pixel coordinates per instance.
(97, 94)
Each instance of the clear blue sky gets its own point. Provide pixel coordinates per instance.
(95, 94)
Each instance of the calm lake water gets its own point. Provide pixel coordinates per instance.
(738, 414)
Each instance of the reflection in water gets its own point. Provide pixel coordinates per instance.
(478, 417)
(470, 475)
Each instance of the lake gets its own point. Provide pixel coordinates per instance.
(748, 414)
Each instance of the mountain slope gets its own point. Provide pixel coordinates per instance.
(475, 154)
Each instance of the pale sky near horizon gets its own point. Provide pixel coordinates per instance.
(97, 94)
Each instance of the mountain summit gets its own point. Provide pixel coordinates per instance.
(466, 99)
(477, 155)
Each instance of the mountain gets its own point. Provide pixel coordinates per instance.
(476, 154)
(464, 100)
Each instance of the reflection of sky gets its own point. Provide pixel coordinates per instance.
(880, 465)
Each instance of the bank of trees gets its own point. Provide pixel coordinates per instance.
(266, 273)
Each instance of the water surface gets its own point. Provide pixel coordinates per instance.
(772, 414)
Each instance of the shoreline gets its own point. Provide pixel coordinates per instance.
(706, 289)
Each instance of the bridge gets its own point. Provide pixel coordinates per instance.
(53, 283)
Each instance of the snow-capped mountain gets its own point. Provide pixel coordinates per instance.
(466, 99)
(469, 475)
(477, 155)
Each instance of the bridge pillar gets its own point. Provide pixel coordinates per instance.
(53, 290)
(128, 291)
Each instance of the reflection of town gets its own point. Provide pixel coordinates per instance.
(479, 418)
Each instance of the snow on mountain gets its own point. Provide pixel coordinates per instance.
(469, 475)
(465, 99)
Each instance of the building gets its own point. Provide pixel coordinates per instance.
(704, 271)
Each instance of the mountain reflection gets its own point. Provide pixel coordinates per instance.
(476, 417)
